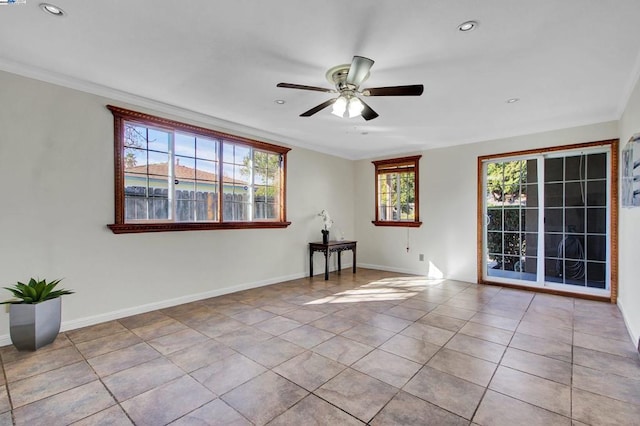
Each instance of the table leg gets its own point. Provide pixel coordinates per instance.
(354, 259)
(326, 265)
(310, 263)
(340, 261)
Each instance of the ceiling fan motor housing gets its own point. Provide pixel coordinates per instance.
(338, 76)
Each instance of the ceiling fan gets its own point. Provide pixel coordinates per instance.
(347, 79)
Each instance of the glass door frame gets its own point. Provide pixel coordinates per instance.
(611, 274)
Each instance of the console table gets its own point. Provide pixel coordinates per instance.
(327, 249)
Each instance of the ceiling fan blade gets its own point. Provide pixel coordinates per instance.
(359, 70)
(412, 90)
(303, 87)
(317, 108)
(367, 113)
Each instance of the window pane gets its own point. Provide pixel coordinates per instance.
(553, 195)
(552, 245)
(597, 166)
(597, 221)
(185, 169)
(511, 219)
(158, 140)
(495, 219)
(531, 169)
(236, 153)
(185, 190)
(494, 242)
(574, 194)
(242, 154)
(530, 195)
(206, 148)
(513, 244)
(573, 245)
(596, 272)
(553, 169)
(531, 242)
(135, 160)
(235, 207)
(158, 163)
(206, 201)
(158, 197)
(185, 145)
(387, 194)
(135, 185)
(597, 193)
(494, 192)
(135, 208)
(206, 170)
(597, 247)
(574, 219)
(135, 136)
(553, 220)
(185, 210)
(530, 221)
(236, 200)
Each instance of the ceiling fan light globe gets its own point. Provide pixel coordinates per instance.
(355, 107)
(339, 106)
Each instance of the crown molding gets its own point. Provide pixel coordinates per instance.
(113, 94)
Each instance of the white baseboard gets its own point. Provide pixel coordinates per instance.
(141, 309)
(390, 269)
(635, 339)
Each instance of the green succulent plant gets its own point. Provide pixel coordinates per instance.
(35, 291)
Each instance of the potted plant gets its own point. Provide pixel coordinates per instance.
(35, 313)
(327, 222)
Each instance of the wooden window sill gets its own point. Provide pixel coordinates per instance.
(134, 228)
(397, 223)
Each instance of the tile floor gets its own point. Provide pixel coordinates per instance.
(374, 347)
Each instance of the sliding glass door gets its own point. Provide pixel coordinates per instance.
(547, 219)
(511, 219)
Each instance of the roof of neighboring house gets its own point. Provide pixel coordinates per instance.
(181, 172)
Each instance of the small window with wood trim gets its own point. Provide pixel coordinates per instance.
(397, 201)
(172, 176)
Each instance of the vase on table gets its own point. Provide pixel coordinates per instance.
(325, 236)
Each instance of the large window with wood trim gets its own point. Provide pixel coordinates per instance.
(547, 219)
(396, 192)
(172, 176)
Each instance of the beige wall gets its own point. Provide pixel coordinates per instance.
(629, 240)
(56, 169)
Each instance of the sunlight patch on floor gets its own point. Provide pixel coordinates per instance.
(387, 289)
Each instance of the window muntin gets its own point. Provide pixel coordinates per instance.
(168, 177)
(397, 192)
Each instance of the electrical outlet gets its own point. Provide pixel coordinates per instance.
(421, 257)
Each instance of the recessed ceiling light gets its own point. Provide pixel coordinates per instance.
(52, 9)
(468, 26)
(279, 101)
(512, 100)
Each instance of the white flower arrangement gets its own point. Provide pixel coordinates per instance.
(326, 219)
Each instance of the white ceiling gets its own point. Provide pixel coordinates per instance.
(571, 62)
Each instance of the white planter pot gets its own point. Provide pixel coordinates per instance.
(33, 326)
